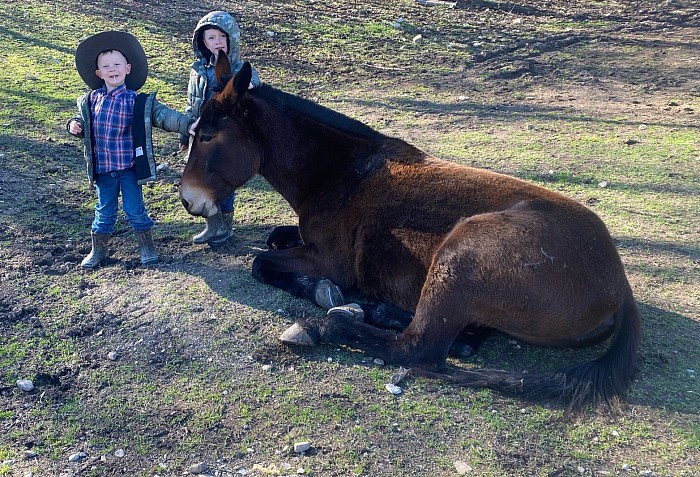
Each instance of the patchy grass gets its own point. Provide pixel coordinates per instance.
(609, 119)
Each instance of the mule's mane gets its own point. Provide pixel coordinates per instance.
(316, 112)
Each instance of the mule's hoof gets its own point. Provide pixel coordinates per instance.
(351, 309)
(328, 295)
(296, 335)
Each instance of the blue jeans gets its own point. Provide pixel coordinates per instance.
(227, 204)
(108, 185)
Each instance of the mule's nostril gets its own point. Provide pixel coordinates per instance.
(185, 204)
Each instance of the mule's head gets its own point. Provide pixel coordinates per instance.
(223, 153)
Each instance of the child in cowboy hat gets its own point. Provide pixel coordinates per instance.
(115, 123)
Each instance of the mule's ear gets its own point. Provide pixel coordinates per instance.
(222, 69)
(242, 79)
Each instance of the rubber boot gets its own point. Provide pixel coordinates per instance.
(214, 230)
(99, 250)
(149, 255)
(225, 231)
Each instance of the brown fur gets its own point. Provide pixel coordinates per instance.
(459, 247)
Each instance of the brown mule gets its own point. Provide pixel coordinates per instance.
(446, 251)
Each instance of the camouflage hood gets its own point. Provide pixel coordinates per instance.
(224, 22)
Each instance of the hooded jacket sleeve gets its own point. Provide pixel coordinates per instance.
(170, 120)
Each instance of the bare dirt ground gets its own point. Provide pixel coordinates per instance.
(200, 305)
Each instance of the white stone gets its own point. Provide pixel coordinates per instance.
(25, 385)
(119, 453)
(300, 447)
(393, 389)
(462, 468)
(378, 361)
(113, 356)
(77, 457)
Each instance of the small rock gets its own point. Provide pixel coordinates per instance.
(417, 38)
(462, 468)
(603, 184)
(301, 471)
(199, 468)
(29, 454)
(119, 453)
(300, 447)
(581, 469)
(378, 361)
(266, 367)
(162, 167)
(113, 356)
(393, 389)
(78, 456)
(25, 385)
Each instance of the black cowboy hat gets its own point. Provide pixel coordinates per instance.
(126, 43)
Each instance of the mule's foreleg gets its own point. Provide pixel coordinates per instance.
(292, 271)
(284, 237)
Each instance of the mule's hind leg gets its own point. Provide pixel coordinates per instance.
(341, 326)
(284, 237)
(388, 316)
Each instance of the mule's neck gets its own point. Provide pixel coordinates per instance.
(309, 149)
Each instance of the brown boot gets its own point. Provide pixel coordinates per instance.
(149, 255)
(99, 250)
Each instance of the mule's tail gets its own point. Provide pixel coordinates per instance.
(599, 382)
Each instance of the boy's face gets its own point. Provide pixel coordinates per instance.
(112, 68)
(215, 40)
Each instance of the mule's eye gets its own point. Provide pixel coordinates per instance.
(205, 138)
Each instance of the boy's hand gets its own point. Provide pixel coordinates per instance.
(75, 128)
(193, 127)
(181, 148)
